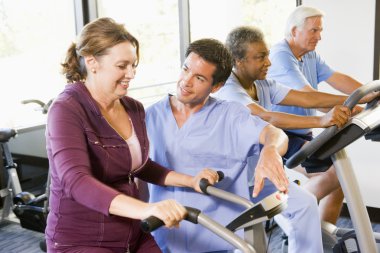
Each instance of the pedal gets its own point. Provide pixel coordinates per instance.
(4, 192)
(347, 244)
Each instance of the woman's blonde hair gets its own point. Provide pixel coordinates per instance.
(95, 38)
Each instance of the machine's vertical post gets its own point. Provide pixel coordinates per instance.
(355, 203)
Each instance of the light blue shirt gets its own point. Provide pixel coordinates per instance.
(287, 70)
(220, 136)
(269, 93)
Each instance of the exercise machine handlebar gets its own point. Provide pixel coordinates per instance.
(204, 183)
(152, 223)
(311, 147)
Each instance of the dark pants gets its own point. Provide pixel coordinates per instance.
(311, 164)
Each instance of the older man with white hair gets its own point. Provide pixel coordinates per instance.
(296, 64)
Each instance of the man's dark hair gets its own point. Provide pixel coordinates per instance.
(216, 53)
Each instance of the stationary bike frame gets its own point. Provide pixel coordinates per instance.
(331, 142)
(13, 185)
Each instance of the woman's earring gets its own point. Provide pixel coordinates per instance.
(93, 70)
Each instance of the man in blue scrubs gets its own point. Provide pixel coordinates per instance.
(192, 130)
(296, 64)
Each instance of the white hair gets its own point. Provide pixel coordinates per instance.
(298, 17)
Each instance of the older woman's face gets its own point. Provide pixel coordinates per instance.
(256, 61)
(116, 69)
(309, 35)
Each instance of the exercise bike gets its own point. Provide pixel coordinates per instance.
(29, 209)
(251, 220)
(331, 142)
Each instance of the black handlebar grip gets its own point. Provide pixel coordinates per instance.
(203, 184)
(220, 175)
(192, 214)
(152, 223)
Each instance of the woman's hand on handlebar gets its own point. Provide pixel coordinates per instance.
(209, 174)
(169, 211)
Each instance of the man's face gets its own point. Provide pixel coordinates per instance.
(256, 62)
(195, 81)
(309, 35)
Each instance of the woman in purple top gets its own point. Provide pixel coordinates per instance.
(97, 145)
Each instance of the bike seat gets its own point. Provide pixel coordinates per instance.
(6, 134)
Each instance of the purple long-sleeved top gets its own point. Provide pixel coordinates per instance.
(90, 165)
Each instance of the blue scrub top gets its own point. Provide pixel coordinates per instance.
(220, 136)
(269, 93)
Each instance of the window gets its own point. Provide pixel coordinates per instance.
(159, 34)
(34, 36)
(155, 25)
(215, 18)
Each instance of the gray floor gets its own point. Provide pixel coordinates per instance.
(15, 239)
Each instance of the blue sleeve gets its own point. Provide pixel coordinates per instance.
(285, 70)
(245, 127)
(230, 93)
(323, 70)
(278, 91)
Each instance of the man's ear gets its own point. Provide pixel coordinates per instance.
(238, 62)
(216, 87)
(294, 31)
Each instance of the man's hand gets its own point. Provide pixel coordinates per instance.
(270, 166)
(338, 116)
(369, 97)
(356, 110)
(209, 174)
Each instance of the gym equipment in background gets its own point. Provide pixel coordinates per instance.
(331, 142)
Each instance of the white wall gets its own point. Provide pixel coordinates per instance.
(31, 142)
(30, 124)
(348, 46)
